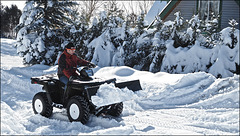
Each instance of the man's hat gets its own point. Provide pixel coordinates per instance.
(69, 46)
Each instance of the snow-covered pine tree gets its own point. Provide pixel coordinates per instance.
(39, 35)
(115, 18)
(221, 60)
(179, 34)
(97, 29)
(210, 31)
(193, 31)
(106, 45)
(159, 47)
(129, 44)
(102, 46)
(94, 30)
(140, 25)
(118, 30)
(122, 41)
(170, 30)
(183, 54)
(140, 47)
(226, 58)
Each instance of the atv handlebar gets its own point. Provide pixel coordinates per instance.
(84, 71)
(91, 65)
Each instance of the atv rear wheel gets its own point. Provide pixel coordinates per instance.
(116, 109)
(78, 109)
(41, 105)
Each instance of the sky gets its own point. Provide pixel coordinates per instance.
(20, 3)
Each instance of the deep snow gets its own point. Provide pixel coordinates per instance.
(194, 103)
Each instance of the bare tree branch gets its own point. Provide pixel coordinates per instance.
(89, 8)
(145, 5)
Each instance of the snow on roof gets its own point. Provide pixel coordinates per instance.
(157, 7)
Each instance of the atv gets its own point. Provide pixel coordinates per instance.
(77, 97)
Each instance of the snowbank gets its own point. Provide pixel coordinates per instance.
(109, 94)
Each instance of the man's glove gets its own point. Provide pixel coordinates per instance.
(91, 65)
(71, 78)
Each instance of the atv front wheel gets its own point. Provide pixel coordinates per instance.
(78, 109)
(41, 105)
(116, 109)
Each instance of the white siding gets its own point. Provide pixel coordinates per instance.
(187, 9)
(230, 10)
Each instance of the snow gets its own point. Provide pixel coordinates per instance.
(8, 55)
(106, 97)
(169, 104)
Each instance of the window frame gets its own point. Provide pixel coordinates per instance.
(219, 11)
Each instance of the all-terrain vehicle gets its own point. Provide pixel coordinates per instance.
(77, 97)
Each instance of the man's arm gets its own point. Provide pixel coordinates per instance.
(82, 62)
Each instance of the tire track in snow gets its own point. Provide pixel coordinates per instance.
(183, 94)
(194, 121)
(159, 120)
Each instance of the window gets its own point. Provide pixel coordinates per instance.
(208, 8)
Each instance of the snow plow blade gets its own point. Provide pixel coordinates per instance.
(131, 85)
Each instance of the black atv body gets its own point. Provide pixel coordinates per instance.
(77, 97)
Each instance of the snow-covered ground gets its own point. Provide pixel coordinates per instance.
(169, 104)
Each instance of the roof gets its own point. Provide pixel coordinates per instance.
(166, 10)
(156, 8)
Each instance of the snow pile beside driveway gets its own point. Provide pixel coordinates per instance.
(196, 90)
(168, 104)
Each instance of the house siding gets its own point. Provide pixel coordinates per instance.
(230, 10)
(187, 9)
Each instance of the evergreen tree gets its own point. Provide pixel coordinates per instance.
(226, 60)
(101, 46)
(158, 47)
(140, 24)
(179, 34)
(9, 20)
(110, 40)
(138, 53)
(96, 30)
(40, 33)
(124, 39)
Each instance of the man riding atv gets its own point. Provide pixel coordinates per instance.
(76, 95)
(68, 62)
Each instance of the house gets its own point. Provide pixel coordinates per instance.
(227, 9)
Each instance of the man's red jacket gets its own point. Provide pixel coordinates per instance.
(67, 64)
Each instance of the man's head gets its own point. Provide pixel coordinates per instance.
(70, 48)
